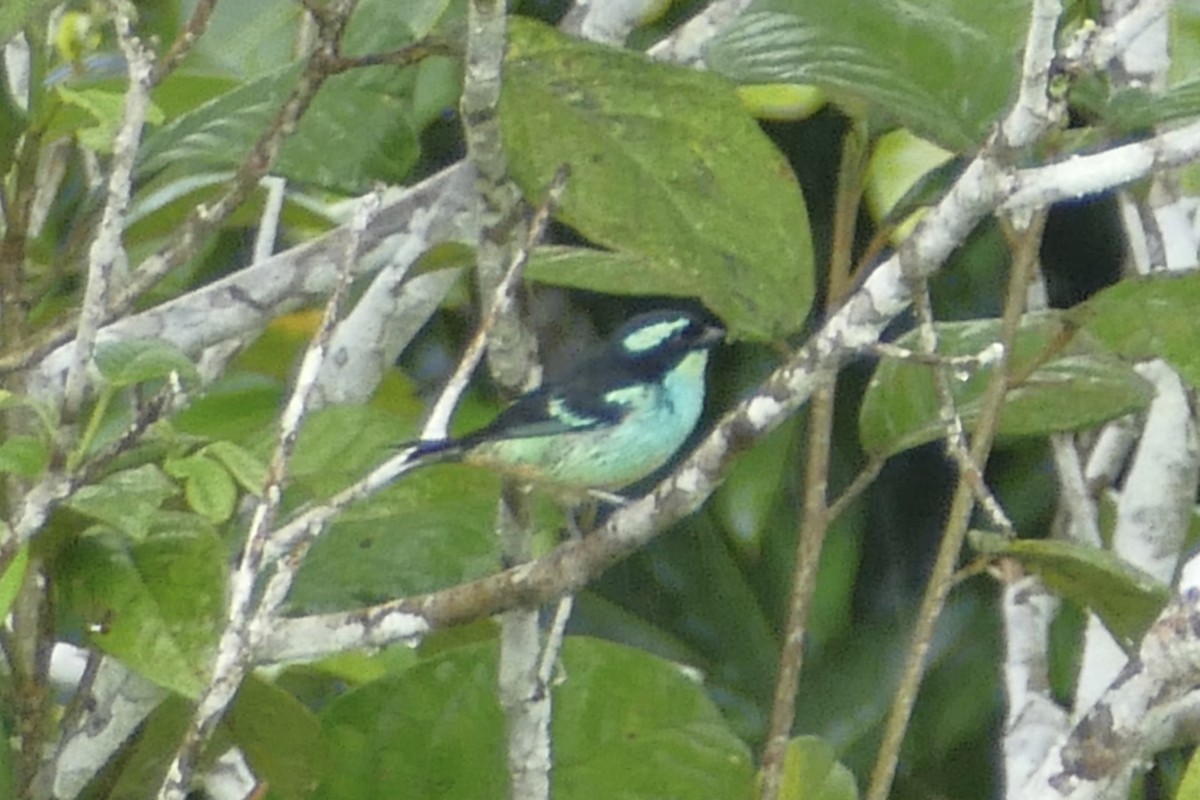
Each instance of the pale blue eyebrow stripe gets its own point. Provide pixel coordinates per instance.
(653, 335)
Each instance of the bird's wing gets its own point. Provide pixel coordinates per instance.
(548, 413)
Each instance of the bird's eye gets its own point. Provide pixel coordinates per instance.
(688, 332)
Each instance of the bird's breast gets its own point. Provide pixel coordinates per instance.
(655, 421)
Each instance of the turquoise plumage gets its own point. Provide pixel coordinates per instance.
(610, 421)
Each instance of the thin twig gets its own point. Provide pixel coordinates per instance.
(289, 543)
(438, 422)
(298, 406)
(403, 57)
(234, 646)
(865, 477)
(171, 397)
(816, 519)
(1024, 260)
(107, 254)
(185, 41)
(20, 191)
(555, 635)
(985, 357)
(1024, 123)
(298, 531)
(552, 648)
(814, 525)
(941, 578)
(1076, 503)
(268, 221)
(73, 713)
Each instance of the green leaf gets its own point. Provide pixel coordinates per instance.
(380, 25)
(667, 167)
(103, 112)
(630, 725)
(187, 88)
(24, 455)
(1126, 599)
(140, 770)
(46, 415)
(280, 738)
(127, 500)
(244, 466)
(812, 772)
(702, 604)
(1131, 109)
(1078, 386)
(134, 361)
(1141, 318)
(943, 68)
(626, 724)
(236, 407)
(162, 205)
(13, 121)
(1189, 786)
(435, 90)
(384, 146)
(16, 14)
(435, 529)
(157, 605)
(781, 101)
(220, 133)
(351, 668)
(246, 40)
(846, 692)
(450, 744)
(746, 498)
(8, 781)
(622, 272)
(249, 39)
(14, 574)
(275, 734)
(208, 486)
(338, 444)
(906, 173)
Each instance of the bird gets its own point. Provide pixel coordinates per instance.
(610, 420)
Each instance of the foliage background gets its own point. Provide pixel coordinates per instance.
(141, 550)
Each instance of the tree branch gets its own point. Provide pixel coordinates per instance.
(984, 186)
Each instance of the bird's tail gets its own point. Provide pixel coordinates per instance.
(431, 451)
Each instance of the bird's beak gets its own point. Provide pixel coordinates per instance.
(712, 336)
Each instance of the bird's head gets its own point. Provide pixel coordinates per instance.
(657, 342)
